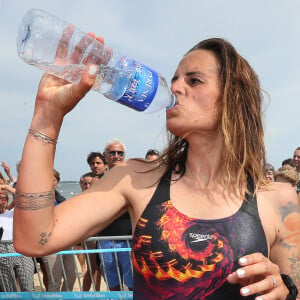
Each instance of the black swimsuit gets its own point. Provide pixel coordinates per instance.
(178, 257)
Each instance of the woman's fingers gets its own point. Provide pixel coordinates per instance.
(63, 45)
(252, 259)
(258, 275)
(86, 82)
(80, 49)
(96, 53)
(62, 96)
(100, 39)
(108, 53)
(263, 286)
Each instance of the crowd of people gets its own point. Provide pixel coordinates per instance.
(17, 273)
(289, 171)
(211, 220)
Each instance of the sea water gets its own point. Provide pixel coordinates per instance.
(68, 189)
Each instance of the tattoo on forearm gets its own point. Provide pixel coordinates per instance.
(34, 201)
(44, 238)
(295, 269)
(290, 216)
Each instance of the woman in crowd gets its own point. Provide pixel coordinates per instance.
(208, 225)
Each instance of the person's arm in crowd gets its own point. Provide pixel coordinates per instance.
(8, 188)
(6, 168)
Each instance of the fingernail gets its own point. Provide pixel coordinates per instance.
(243, 260)
(241, 273)
(245, 291)
(259, 298)
(92, 70)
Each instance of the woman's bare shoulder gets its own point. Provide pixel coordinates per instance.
(142, 164)
(278, 206)
(277, 201)
(143, 170)
(137, 171)
(279, 193)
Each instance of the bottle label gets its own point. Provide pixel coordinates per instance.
(141, 89)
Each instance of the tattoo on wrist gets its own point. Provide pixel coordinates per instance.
(44, 238)
(34, 201)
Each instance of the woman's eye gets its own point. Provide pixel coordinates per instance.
(194, 81)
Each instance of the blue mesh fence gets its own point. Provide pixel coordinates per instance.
(69, 274)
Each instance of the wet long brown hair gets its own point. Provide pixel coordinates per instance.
(241, 125)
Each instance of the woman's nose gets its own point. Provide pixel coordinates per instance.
(177, 87)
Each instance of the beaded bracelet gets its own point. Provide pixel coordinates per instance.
(42, 137)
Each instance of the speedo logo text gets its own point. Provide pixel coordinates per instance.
(198, 237)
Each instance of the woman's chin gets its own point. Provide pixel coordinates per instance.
(175, 128)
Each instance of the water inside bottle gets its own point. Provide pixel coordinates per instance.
(110, 82)
(71, 72)
(114, 82)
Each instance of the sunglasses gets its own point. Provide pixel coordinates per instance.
(113, 153)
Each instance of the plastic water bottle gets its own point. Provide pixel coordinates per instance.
(61, 49)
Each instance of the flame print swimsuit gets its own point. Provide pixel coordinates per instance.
(178, 257)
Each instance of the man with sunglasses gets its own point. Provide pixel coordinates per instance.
(114, 153)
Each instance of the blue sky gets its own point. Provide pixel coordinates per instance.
(158, 33)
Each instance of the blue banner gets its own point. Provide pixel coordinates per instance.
(75, 252)
(66, 295)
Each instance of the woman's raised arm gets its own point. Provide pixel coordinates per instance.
(34, 218)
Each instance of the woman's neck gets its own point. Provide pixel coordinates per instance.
(204, 159)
